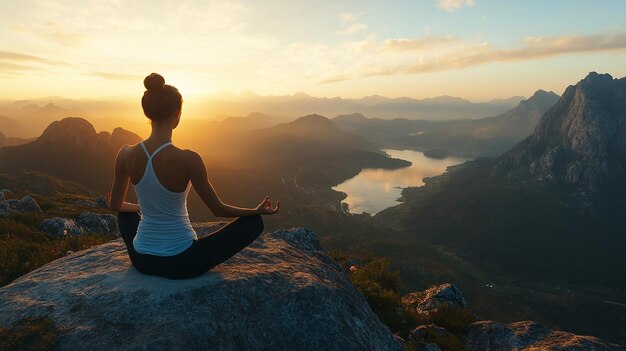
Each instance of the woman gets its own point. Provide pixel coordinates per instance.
(161, 241)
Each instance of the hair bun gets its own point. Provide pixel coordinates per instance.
(154, 82)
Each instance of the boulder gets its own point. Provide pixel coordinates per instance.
(423, 337)
(98, 223)
(428, 301)
(5, 209)
(280, 293)
(27, 204)
(59, 227)
(527, 336)
(12, 203)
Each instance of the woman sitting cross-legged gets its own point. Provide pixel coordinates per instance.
(161, 241)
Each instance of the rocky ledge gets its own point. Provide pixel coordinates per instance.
(486, 335)
(282, 292)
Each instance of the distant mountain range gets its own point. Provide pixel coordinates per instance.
(438, 108)
(311, 145)
(28, 118)
(489, 136)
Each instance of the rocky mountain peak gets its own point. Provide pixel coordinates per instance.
(121, 136)
(544, 97)
(314, 119)
(534, 107)
(70, 130)
(581, 140)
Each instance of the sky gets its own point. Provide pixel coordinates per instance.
(476, 49)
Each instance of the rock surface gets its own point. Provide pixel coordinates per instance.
(28, 204)
(581, 140)
(488, 335)
(86, 222)
(527, 336)
(98, 223)
(282, 292)
(59, 226)
(25, 204)
(430, 300)
(424, 337)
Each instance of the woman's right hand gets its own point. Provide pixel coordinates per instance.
(265, 207)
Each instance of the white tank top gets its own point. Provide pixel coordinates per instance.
(165, 228)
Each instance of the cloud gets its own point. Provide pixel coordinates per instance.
(15, 56)
(116, 76)
(356, 27)
(334, 79)
(12, 62)
(416, 43)
(11, 67)
(415, 56)
(53, 32)
(349, 23)
(347, 17)
(453, 5)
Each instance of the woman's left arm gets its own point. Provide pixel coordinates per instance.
(115, 198)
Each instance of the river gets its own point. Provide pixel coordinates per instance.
(375, 189)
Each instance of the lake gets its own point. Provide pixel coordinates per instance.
(374, 189)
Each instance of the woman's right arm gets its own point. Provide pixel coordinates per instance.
(204, 188)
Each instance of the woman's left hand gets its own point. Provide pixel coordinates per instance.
(265, 207)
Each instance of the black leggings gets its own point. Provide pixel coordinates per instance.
(204, 254)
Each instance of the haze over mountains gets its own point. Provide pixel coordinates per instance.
(28, 118)
(438, 108)
(488, 136)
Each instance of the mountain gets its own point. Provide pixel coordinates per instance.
(581, 141)
(548, 214)
(308, 134)
(10, 127)
(11, 141)
(390, 133)
(36, 114)
(438, 108)
(313, 149)
(254, 120)
(70, 149)
(489, 136)
(35, 117)
(571, 164)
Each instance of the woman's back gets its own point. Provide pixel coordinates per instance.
(165, 228)
(161, 241)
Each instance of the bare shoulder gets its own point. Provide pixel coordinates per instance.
(190, 157)
(124, 151)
